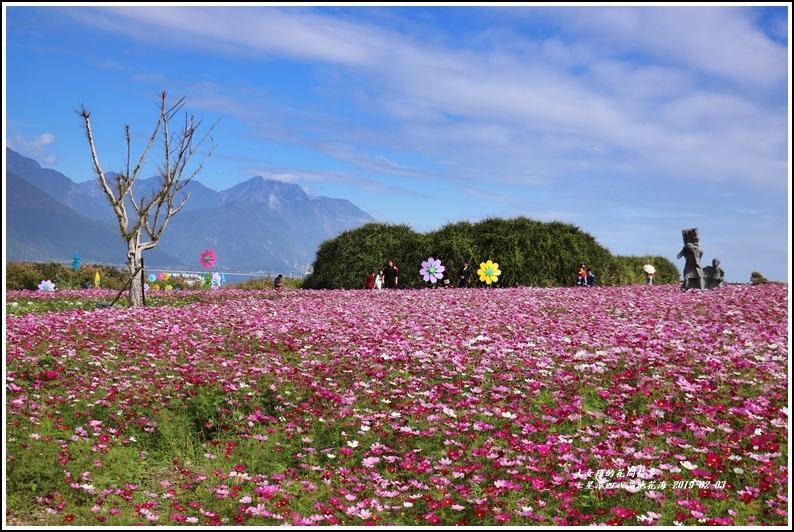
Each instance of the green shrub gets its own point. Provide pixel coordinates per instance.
(757, 278)
(529, 253)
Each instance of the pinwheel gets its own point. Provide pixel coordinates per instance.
(46, 286)
(216, 281)
(96, 280)
(489, 272)
(152, 278)
(208, 258)
(432, 270)
(75, 266)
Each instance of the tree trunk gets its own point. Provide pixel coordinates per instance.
(133, 265)
(152, 211)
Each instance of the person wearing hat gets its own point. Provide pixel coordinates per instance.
(582, 275)
(650, 273)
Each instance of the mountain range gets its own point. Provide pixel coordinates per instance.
(260, 225)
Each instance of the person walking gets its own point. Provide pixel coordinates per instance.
(379, 281)
(590, 277)
(370, 284)
(464, 275)
(390, 275)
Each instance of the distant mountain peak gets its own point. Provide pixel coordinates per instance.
(259, 224)
(259, 189)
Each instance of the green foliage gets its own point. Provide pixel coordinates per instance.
(254, 283)
(345, 261)
(529, 253)
(28, 275)
(453, 244)
(757, 278)
(630, 270)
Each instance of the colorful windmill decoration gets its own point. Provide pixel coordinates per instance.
(216, 281)
(75, 267)
(432, 270)
(208, 258)
(46, 286)
(96, 280)
(489, 272)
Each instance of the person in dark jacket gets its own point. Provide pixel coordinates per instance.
(390, 275)
(464, 274)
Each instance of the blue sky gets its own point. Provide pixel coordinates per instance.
(631, 123)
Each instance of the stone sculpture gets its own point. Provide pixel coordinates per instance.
(695, 276)
(693, 273)
(714, 275)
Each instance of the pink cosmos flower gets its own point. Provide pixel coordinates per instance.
(370, 461)
(208, 258)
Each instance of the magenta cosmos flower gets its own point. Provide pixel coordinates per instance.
(432, 270)
(207, 258)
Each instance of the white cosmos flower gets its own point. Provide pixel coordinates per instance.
(352, 443)
(689, 465)
(509, 415)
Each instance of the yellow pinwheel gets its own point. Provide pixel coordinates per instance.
(96, 280)
(489, 272)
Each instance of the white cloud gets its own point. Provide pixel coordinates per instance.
(30, 147)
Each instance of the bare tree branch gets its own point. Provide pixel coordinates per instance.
(151, 212)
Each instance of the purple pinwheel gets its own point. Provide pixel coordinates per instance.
(46, 286)
(432, 270)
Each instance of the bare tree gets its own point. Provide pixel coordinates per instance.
(146, 217)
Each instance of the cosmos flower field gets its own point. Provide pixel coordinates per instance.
(637, 405)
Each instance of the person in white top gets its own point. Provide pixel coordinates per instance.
(379, 281)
